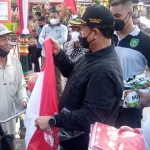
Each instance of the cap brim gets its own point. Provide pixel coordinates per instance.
(5, 32)
(72, 22)
(74, 26)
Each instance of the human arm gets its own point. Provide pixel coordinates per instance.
(63, 36)
(21, 92)
(61, 60)
(96, 107)
(146, 47)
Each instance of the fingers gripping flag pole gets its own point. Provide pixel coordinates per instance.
(43, 102)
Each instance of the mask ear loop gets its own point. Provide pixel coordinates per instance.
(89, 34)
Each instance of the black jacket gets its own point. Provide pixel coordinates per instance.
(93, 91)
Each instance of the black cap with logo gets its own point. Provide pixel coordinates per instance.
(97, 15)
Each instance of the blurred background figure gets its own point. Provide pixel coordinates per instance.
(37, 16)
(31, 40)
(73, 48)
(37, 54)
(135, 19)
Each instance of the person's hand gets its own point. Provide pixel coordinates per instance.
(125, 128)
(43, 122)
(56, 46)
(36, 34)
(144, 99)
(24, 105)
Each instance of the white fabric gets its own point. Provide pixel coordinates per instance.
(146, 131)
(75, 36)
(145, 21)
(25, 7)
(33, 112)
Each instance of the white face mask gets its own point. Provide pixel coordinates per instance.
(54, 21)
(75, 36)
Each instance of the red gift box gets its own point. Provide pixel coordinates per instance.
(104, 137)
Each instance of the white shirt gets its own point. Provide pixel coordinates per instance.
(145, 131)
(12, 86)
(59, 33)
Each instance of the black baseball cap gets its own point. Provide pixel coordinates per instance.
(97, 15)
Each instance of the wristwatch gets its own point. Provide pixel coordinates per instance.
(52, 121)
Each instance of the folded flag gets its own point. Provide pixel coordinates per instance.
(104, 137)
(43, 102)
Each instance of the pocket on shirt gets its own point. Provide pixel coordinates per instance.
(13, 88)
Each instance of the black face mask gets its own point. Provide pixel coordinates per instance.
(120, 24)
(41, 26)
(3, 53)
(83, 41)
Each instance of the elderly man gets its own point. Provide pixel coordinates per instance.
(12, 83)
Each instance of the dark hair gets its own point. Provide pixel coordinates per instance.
(120, 2)
(41, 18)
(38, 14)
(55, 11)
(30, 17)
(107, 31)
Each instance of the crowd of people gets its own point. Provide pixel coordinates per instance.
(95, 53)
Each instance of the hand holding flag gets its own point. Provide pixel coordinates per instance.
(43, 122)
(43, 102)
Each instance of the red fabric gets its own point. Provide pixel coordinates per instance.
(32, 80)
(104, 137)
(21, 21)
(49, 104)
(51, 3)
(71, 3)
(136, 130)
(19, 3)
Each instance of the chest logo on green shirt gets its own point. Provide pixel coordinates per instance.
(134, 42)
(57, 30)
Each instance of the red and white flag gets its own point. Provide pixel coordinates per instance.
(43, 102)
(23, 6)
(104, 137)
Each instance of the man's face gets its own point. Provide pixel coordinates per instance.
(36, 17)
(5, 42)
(87, 32)
(77, 29)
(135, 21)
(40, 23)
(54, 16)
(119, 12)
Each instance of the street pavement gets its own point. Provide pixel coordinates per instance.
(20, 143)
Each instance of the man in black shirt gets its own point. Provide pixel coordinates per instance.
(94, 88)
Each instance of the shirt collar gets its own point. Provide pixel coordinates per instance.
(54, 26)
(8, 61)
(135, 32)
(102, 52)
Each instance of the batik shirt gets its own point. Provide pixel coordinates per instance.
(74, 53)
